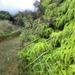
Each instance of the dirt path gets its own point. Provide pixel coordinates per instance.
(8, 57)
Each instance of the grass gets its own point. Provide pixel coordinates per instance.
(8, 57)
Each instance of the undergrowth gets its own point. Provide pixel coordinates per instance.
(54, 52)
(5, 28)
(60, 60)
(8, 30)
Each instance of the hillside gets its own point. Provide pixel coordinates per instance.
(53, 53)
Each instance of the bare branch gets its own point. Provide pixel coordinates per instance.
(40, 55)
(32, 42)
(13, 32)
(50, 38)
(37, 58)
(37, 27)
(26, 18)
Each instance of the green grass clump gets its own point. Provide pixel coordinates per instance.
(5, 28)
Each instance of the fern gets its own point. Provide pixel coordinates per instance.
(60, 58)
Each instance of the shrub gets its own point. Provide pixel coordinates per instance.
(28, 55)
(5, 28)
(59, 60)
(44, 30)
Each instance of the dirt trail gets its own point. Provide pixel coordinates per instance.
(8, 57)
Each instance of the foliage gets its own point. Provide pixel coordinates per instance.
(26, 36)
(44, 31)
(60, 56)
(4, 15)
(32, 51)
(58, 61)
(16, 19)
(6, 27)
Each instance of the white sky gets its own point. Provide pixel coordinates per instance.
(14, 6)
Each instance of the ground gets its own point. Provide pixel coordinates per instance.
(9, 57)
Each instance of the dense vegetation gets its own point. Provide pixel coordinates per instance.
(10, 23)
(48, 39)
(5, 28)
(49, 42)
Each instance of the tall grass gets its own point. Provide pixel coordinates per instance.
(5, 28)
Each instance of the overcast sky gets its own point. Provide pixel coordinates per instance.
(14, 6)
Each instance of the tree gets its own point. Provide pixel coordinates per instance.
(40, 9)
(4, 15)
